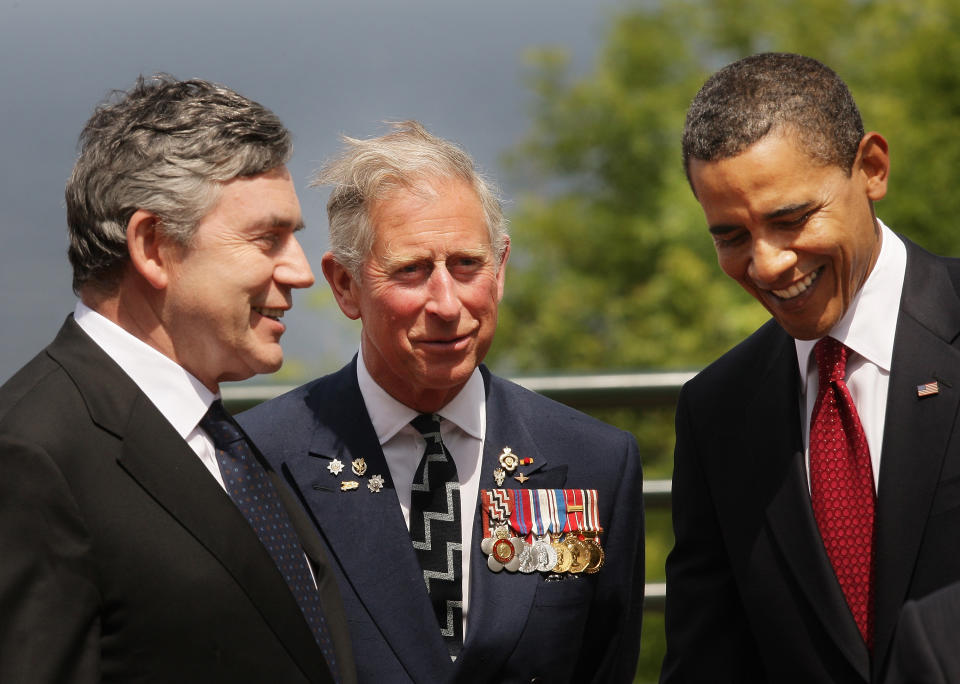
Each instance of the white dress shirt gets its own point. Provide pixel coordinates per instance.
(462, 429)
(868, 329)
(179, 396)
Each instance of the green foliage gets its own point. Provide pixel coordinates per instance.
(612, 266)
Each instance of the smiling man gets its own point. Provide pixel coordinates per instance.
(132, 550)
(811, 489)
(480, 532)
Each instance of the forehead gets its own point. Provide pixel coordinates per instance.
(267, 198)
(435, 214)
(775, 170)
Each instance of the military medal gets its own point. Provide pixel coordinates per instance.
(358, 466)
(509, 460)
(335, 467)
(564, 558)
(502, 548)
(499, 475)
(349, 485)
(375, 484)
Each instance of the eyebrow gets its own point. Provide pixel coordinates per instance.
(276, 221)
(788, 210)
(392, 260)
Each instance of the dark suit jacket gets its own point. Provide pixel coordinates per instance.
(121, 558)
(751, 595)
(520, 628)
(924, 647)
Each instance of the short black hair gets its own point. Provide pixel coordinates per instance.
(748, 99)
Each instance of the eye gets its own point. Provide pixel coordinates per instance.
(267, 240)
(731, 239)
(798, 222)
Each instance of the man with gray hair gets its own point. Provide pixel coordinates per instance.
(143, 537)
(816, 464)
(479, 531)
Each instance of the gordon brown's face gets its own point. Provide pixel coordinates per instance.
(428, 292)
(798, 235)
(229, 289)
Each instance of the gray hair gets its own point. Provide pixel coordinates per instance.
(407, 158)
(164, 146)
(746, 100)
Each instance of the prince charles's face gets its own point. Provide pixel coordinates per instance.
(428, 292)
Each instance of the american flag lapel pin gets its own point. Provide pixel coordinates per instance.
(928, 389)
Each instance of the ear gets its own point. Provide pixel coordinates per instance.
(873, 161)
(502, 270)
(148, 249)
(346, 290)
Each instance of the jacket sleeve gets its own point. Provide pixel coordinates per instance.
(708, 639)
(49, 617)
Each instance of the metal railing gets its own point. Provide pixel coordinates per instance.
(583, 392)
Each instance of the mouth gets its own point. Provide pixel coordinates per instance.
(800, 287)
(267, 312)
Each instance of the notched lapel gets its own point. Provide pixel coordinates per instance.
(369, 540)
(162, 463)
(500, 603)
(917, 433)
(779, 468)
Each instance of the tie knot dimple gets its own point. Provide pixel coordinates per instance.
(831, 357)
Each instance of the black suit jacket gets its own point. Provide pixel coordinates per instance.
(751, 595)
(924, 647)
(121, 558)
(520, 628)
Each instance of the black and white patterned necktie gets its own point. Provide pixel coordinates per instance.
(435, 530)
(249, 485)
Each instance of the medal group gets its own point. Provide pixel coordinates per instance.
(541, 530)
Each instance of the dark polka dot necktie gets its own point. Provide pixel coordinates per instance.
(253, 493)
(435, 531)
(841, 484)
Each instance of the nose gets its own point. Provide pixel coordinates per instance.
(769, 261)
(293, 268)
(442, 297)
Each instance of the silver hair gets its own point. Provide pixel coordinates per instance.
(165, 146)
(407, 158)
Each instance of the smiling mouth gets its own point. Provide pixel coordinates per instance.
(275, 314)
(799, 288)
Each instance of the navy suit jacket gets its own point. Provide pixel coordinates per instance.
(121, 558)
(751, 595)
(520, 628)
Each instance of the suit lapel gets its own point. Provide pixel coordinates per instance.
(917, 430)
(162, 463)
(781, 471)
(500, 602)
(366, 532)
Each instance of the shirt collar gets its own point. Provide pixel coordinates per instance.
(389, 416)
(178, 395)
(867, 327)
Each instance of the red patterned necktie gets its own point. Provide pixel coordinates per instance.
(841, 484)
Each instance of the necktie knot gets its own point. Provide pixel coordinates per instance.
(428, 425)
(831, 358)
(221, 427)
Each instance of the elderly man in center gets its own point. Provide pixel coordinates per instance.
(480, 532)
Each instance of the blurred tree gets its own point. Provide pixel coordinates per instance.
(612, 266)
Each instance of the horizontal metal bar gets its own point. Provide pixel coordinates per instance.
(580, 391)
